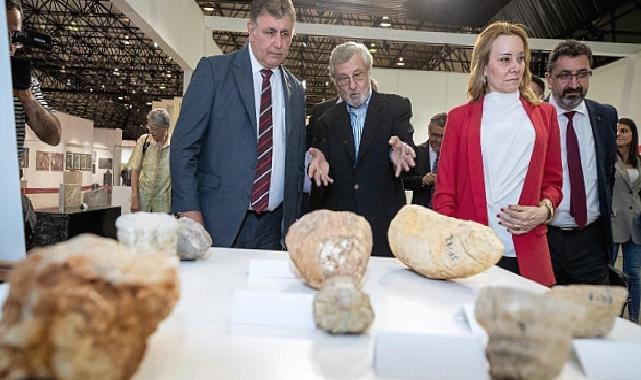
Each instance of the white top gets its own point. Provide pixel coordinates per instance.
(583, 130)
(634, 174)
(507, 140)
(277, 184)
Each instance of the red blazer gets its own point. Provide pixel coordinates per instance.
(460, 185)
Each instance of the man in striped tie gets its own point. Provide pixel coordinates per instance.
(238, 149)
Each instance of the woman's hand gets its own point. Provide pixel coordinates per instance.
(522, 219)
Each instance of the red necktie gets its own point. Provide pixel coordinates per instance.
(260, 189)
(578, 208)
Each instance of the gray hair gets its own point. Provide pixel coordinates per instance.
(274, 8)
(158, 117)
(345, 51)
(439, 119)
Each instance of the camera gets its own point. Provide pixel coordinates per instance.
(31, 39)
(20, 67)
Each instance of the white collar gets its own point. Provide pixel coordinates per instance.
(256, 66)
(581, 108)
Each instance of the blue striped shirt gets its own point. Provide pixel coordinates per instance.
(357, 117)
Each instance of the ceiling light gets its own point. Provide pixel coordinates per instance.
(209, 7)
(162, 87)
(68, 82)
(326, 83)
(148, 103)
(385, 22)
(155, 45)
(133, 91)
(115, 69)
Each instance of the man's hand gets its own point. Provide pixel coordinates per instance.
(429, 179)
(402, 155)
(135, 205)
(196, 216)
(318, 169)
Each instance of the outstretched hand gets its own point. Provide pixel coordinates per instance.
(402, 155)
(318, 169)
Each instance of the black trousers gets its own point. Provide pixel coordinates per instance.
(509, 263)
(261, 231)
(579, 256)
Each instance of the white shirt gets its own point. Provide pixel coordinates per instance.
(432, 153)
(583, 131)
(507, 141)
(277, 183)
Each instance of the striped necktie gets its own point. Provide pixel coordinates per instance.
(260, 189)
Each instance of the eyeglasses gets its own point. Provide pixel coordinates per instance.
(566, 76)
(356, 77)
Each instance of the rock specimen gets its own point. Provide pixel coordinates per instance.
(83, 309)
(148, 232)
(193, 240)
(341, 308)
(603, 305)
(324, 243)
(441, 247)
(529, 334)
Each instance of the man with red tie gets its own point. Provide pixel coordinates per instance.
(238, 149)
(580, 236)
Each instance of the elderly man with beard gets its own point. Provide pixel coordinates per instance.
(362, 145)
(580, 236)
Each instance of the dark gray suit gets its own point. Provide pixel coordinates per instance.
(213, 148)
(581, 256)
(421, 193)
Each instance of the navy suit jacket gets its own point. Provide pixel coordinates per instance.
(213, 148)
(603, 120)
(366, 184)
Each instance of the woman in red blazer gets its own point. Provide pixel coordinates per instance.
(500, 161)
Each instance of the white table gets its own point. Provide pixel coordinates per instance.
(198, 340)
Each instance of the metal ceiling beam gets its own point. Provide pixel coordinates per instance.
(239, 25)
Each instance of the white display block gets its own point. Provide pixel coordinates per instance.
(260, 308)
(280, 269)
(429, 356)
(606, 359)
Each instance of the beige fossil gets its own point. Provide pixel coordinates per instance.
(442, 247)
(84, 309)
(324, 244)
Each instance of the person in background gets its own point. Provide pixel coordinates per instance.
(29, 106)
(427, 163)
(580, 236)
(500, 160)
(626, 209)
(538, 86)
(149, 163)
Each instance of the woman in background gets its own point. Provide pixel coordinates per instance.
(500, 162)
(626, 209)
(149, 163)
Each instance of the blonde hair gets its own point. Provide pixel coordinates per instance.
(477, 84)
